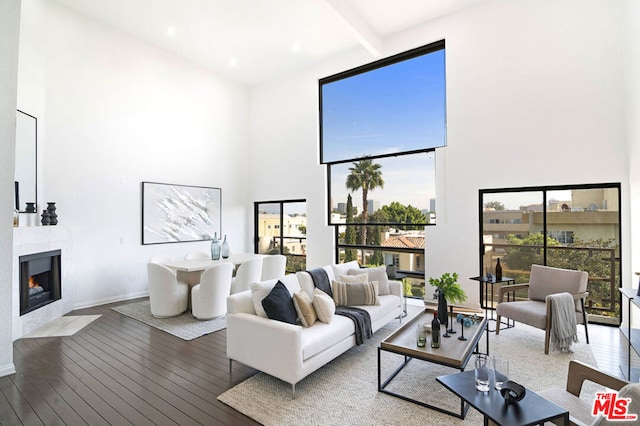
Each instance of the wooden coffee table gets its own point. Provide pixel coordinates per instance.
(453, 352)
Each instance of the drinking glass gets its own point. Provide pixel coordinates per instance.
(421, 336)
(500, 371)
(482, 373)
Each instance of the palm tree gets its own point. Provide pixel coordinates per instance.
(365, 175)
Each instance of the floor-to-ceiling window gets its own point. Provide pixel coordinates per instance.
(380, 126)
(569, 226)
(281, 228)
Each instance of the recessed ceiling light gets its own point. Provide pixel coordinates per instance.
(233, 62)
(171, 31)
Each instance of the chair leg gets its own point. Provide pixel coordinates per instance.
(584, 319)
(230, 365)
(497, 324)
(547, 328)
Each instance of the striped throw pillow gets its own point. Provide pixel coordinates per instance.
(345, 294)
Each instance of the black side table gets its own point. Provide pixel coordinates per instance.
(486, 302)
(531, 410)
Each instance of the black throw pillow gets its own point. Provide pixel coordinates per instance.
(279, 304)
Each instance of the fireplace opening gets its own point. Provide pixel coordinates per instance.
(40, 280)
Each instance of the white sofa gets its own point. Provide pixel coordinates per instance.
(291, 352)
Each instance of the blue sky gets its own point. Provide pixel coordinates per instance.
(400, 107)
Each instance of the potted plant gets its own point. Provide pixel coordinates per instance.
(447, 291)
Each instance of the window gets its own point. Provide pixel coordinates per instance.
(380, 125)
(573, 227)
(290, 216)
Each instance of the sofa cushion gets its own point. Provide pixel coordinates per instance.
(260, 290)
(355, 294)
(545, 280)
(322, 336)
(304, 308)
(323, 305)
(279, 304)
(375, 274)
(342, 269)
(353, 279)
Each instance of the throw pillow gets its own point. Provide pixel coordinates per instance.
(260, 290)
(323, 305)
(375, 274)
(279, 304)
(355, 294)
(353, 278)
(304, 308)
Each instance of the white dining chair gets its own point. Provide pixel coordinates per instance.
(209, 298)
(273, 266)
(248, 272)
(197, 255)
(168, 297)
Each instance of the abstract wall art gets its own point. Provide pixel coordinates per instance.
(179, 213)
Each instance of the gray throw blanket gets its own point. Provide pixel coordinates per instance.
(563, 322)
(360, 317)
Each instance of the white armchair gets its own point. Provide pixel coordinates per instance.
(249, 272)
(209, 298)
(168, 297)
(273, 266)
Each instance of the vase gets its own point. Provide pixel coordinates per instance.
(443, 311)
(53, 217)
(225, 248)
(31, 208)
(215, 247)
(45, 218)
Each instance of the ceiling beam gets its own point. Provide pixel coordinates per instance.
(360, 29)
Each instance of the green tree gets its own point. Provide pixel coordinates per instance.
(521, 258)
(496, 205)
(365, 175)
(350, 233)
(399, 213)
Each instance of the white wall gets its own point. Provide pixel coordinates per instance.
(535, 96)
(112, 112)
(9, 31)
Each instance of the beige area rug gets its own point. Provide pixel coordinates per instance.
(63, 326)
(345, 391)
(184, 326)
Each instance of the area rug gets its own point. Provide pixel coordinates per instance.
(63, 326)
(345, 391)
(184, 326)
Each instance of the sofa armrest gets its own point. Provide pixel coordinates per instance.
(396, 288)
(271, 346)
(509, 288)
(579, 372)
(240, 302)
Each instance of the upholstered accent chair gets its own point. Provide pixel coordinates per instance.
(209, 298)
(536, 311)
(247, 273)
(273, 266)
(197, 255)
(580, 410)
(168, 297)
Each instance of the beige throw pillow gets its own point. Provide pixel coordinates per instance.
(324, 306)
(355, 294)
(375, 274)
(353, 278)
(304, 308)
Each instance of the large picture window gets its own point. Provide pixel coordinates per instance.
(572, 227)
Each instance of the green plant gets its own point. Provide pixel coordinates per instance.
(448, 285)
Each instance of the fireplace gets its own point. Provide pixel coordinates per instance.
(40, 280)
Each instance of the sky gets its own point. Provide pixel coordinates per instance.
(396, 108)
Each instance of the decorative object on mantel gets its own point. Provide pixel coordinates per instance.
(45, 218)
(215, 247)
(53, 217)
(225, 248)
(31, 208)
(16, 217)
(447, 291)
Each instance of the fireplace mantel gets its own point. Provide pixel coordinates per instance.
(35, 239)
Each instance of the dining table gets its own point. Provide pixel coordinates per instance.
(191, 270)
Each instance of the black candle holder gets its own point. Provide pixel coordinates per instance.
(451, 330)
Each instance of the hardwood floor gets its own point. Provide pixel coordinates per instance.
(119, 371)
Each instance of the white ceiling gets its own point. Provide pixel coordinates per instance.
(251, 40)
